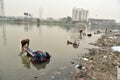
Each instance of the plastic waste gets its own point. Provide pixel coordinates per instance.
(86, 59)
(79, 66)
(116, 48)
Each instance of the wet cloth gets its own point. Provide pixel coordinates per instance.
(39, 56)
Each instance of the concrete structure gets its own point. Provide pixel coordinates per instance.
(79, 14)
(101, 21)
(19, 19)
(2, 8)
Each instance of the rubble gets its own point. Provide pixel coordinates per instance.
(101, 63)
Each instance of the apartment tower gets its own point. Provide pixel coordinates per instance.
(79, 14)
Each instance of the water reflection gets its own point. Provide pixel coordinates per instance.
(27, 27)
(45, 37)
(38, 25)
(41, 66)
(3, 28)
(80, 37)
(26, 61)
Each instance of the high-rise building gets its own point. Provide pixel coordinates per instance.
(79, 14)
(1, 8)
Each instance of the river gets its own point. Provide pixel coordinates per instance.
(50, 38)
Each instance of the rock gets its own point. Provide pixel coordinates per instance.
(35, 77)
(72, 62)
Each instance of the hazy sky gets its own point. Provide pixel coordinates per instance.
(105, 9)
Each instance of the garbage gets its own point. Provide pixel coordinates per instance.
(64, 67)
(35, 77)
(72, 62)
(74, 43)
(98, 32)
(52, 77)
(79, 66)
(89, 35)
(104, 56)
(116, 48)
(101, 63)
(86, 59)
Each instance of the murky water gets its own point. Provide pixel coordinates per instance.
(52, 39)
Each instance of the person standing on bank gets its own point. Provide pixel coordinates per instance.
(25, 42)
(81, 31)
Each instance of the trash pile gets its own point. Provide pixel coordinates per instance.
(100, 63)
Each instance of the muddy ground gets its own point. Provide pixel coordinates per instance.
(100, 63)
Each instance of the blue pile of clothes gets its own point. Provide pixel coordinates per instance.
(39, 56)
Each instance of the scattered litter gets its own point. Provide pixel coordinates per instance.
(79, 66)
(111, 37)
(52, 77)
(86, 59)
(116, 48)
(43, 73)
(104, 56)
(62, 68)
(100, 64)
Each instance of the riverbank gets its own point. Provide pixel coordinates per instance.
(42, 22)
(100, 63)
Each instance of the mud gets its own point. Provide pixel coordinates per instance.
(100, 63)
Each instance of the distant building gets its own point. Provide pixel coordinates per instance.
(101, 21)
(18, 19)
(79, 14)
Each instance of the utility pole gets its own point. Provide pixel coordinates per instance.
(1, 7)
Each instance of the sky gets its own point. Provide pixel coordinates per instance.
(103, 9)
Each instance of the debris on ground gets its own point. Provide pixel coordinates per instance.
(101, 63)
